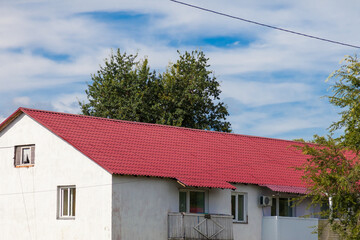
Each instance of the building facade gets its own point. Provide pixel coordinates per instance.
(67, 176)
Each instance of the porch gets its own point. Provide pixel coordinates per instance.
(194, 226)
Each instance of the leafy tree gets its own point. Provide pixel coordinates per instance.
(332, 175)
(186, 94)
(332, 171)
(189, 94)
(347, 96)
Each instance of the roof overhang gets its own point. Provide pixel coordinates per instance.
(286, 189)
(10, 119)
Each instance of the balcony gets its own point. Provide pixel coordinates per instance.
(284, 228)
(191, 226)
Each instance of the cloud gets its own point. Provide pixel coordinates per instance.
(284, 120)
(48, 49)
(68, 103)
(21, 101)
(262, 93)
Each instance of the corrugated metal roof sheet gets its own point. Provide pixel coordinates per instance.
(287, 189)
(194, 157)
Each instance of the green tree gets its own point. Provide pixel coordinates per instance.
(191, 95)
(346, 95)
(332, 170)
(332, 175)
(186, 94)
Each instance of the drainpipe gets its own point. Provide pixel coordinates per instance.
(330, 207)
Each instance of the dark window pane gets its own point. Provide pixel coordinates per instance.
(65, 202)
(233, 206)
(197, 202)
(241, 216)
(73, 192)
(285, 208)
(182, 201)
(273, 207)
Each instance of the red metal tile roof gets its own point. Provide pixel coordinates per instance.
(194, 157)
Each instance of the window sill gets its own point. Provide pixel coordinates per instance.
(25, 166)
(240, 222)
(65, 218)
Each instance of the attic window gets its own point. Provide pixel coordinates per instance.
(24, 156)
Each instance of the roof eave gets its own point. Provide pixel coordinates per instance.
(10, 119)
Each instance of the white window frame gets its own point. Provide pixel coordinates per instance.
(187, 191)
(70, 203)
(22, 162)
(245, 217)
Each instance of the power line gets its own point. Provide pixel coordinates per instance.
(77, 187)
(266, 25)
(6, 147)
(26, 213)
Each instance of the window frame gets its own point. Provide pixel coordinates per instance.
(187, 191)
(71, 202)
(245, 207)
(19, 155)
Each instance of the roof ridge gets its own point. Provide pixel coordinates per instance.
(156, 125)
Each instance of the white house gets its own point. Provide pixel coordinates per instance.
(66, 176)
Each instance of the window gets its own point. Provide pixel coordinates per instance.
(24, 156)
(282, 207)
(66, 202)
(192, 201)
(238, 207)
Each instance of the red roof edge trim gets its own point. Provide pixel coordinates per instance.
(11, 118)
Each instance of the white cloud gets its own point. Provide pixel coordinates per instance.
(262, 93)
(287, 121)
(21, 101)
(68, 103)
(59, 28)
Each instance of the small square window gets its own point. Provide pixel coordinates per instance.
(66, 202)
(238, 207)
(24, 156)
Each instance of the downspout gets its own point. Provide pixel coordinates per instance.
(330, 207)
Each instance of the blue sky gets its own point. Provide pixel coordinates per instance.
(272, 82)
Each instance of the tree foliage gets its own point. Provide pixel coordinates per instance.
(332, 170)
(332, 174)
(186, 94)
(346, 95)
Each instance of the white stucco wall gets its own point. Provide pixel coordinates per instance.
(220, 201)
(252, 229)
(141, 206)
(28, 196)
